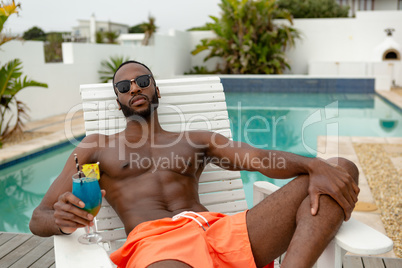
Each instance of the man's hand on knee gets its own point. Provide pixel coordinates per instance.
(330, 178)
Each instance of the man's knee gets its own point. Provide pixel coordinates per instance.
(348, 165)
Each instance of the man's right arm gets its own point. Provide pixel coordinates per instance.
(59, 210)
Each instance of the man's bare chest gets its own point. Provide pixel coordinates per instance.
(129, 160)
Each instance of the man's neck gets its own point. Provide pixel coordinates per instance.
(140, 126)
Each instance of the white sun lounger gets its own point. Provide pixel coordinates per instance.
(191, 104)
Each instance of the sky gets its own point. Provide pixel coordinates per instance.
(62, 15)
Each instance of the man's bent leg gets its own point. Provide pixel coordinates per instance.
(169, 264)
(283, 221)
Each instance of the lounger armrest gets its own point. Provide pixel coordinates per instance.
(261, 189)
(70, 253)
(353, 236)
(358, 238)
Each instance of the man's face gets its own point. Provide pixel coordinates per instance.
(137, 101)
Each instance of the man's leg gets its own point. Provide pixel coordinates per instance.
(283, 222)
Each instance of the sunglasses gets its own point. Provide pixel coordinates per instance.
(143, 81)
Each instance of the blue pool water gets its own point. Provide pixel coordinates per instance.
(292, 122)
(289, 122)
(23, 185)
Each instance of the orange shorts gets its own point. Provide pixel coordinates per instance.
(224, 243)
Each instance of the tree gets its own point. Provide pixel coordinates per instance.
(139, 28)
(314, 8)
(149, 28)
(12, 82)
(248, 39)
(34, 33)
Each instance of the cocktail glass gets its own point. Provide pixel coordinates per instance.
(88, 190)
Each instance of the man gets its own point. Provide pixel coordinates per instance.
(167, 226)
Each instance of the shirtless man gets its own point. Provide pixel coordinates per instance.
(300, 218)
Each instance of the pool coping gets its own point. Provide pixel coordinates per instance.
(61, 129)
(392, 98)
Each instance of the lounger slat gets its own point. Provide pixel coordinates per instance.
(225, 132)
(178, 116)
(189, 81)
(224, 185)
(212, 167)
(111, 235)
(188, 119)
(109, 224)
(228, 207)
(212, 126)
(106, 212)
(184, 89)
(197, 81)
(218, 175)
(175, 127)
(219, 197)
(107, 94)
(171, 99)
(93, 109)
(192, 108)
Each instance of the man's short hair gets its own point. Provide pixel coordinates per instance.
(127, 62)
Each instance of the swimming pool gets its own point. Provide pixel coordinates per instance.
(23, 185)
(292, 122)
(279, 121)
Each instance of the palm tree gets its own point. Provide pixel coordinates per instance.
(248, 39)
(109, 67)
(11, 82)
(149, 28)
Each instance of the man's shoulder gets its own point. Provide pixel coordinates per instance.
(203, 136)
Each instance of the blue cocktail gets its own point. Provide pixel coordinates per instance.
(88, 190)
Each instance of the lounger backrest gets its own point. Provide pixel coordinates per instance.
(186, 104)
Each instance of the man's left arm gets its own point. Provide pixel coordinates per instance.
(324, 177)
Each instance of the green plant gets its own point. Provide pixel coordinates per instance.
(12, 82)
(200, 70)
(99, 37)
(34, 33)
(139, 28)
(314, 8)
(111, 37)
(6, 10)
(109, 67)
(248, 39)
(53, 51)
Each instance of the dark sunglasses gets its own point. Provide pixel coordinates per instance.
(143, 81)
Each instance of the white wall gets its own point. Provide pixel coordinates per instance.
(347, 46)
(81, 65)
(342, 39)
